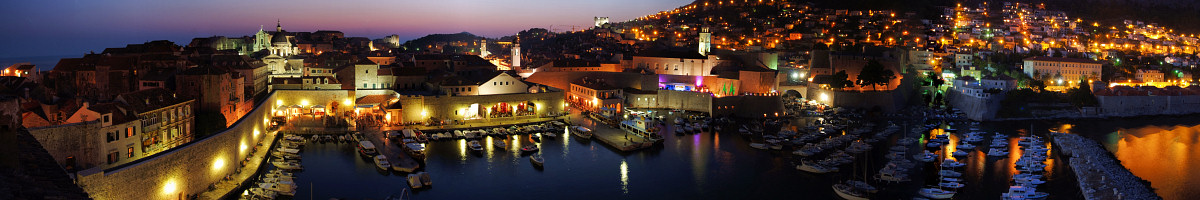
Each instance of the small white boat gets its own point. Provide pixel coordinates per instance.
(960, 153)
(997, 152)
(936, 193)
(414, 181)
(952, 163)
(500, 144)
(474, 145)
(530, 148)
(537, 160)
(382, 162)
(287, 165)
(952, 185)
(815, 168)
(262, 193)
(849, 192)
(279, 189)
(758, 145)
(425, 179)
(948, 173)
(550, 134)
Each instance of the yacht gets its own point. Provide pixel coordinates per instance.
(815, 167)
(949, 173)
(936, 193)
(965, 146)
(951, 185)
(952, 163)
(846, 191)
(997, 152)
(1022, 192)
(382, 162)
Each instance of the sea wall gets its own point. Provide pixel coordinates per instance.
(1100, 175)
(1126, 106)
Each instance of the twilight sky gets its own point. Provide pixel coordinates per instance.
(72, 28)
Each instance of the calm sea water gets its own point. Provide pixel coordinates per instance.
(699, 166)
(1162, 150)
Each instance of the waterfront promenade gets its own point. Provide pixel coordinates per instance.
(247, 169)
(1099, 175)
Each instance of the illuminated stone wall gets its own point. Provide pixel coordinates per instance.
(421, 108)
(191, 168)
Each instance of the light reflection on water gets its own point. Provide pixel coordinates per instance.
(624, 177)
(1165, 156)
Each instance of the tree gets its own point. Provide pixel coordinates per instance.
(1082, 96)
(875, 74)
(840, 80)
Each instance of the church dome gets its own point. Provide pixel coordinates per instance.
(279, 37)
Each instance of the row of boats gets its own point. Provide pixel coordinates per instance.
(543, 129)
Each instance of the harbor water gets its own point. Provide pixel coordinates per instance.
(712, 165)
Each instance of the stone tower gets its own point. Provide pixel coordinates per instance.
(483, 52)
(705, 41)
(516, 56)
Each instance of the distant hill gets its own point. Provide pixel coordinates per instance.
(440, 40)
(1181, 15)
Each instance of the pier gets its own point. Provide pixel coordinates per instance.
(1100, 176)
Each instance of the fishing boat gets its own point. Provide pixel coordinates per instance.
(936, 193)
(474, 145)
(537, 160)
(382, 162)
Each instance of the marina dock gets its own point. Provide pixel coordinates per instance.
(393, 150)
(1100, 176)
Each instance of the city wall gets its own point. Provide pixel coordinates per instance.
(193, 167)
(78, 140)
(685, 100)
(748, 106)
(1126, 106)
(978, 109)
(888, 101)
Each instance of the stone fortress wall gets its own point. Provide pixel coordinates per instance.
(193, 167)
